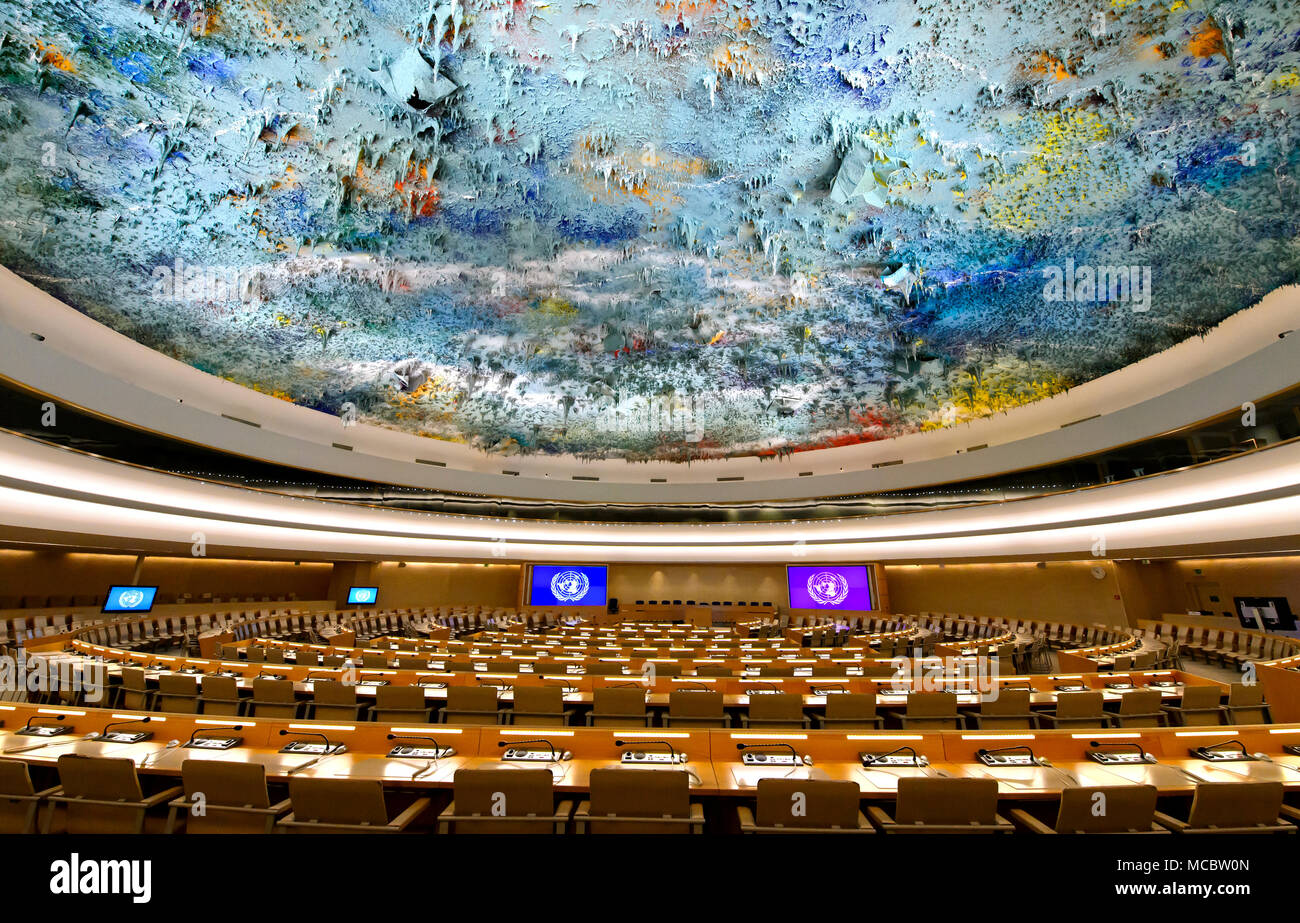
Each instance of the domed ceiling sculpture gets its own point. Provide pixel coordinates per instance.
(652, 230)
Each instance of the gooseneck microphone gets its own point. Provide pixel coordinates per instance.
(429, 762)
(870, 758)
(1227, 743)
(28, 726)
(1127, 745)
(555, 754)
(775, 746)
(102, 732)
(663, 743)
(329, 749)
(437, 747)
(198, 731)
(1020, 749)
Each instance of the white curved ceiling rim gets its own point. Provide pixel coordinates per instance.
(86, 364)
(50, 494)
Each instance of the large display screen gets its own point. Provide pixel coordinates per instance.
(829, 586)
(363, 595)
(568, 585)
(130, 598)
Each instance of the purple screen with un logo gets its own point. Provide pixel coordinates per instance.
(829, 586)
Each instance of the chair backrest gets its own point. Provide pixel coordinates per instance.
(133, 679)
(469, 698)
(618, 701)
(332, 692)
(408, 697)
(527, 792)
(15, 779)
(543, 700)
(807, 803)
(279, 691)
(178, 692)
(931, 704)
(694, 703)
(1005, 701)
(220, 687)
(1079, 704)
(1108, 809)
(226, 783)
(851, 706)
(338, 801)
(1239, 695)
(1140, 702)
(636, 793)
(1236, 804)
(99, 777)
(776, 706)
(947, 801)
(1196, 697)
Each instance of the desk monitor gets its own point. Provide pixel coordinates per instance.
(363, 595)
(129, 598)
(568, 585)
(829, 586)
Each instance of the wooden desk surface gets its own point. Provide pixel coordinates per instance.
(712, 755)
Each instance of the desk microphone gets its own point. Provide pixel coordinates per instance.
(28, 725)
(198, 731)
(1098, 744)
(806, 760)
(437, 747)
(1226, 743)
(329, 748)
(663, 743)
(870, 758)
(556, 755)
(32, 747)
(758, 682)
(95, 735)
(822, 689)
(982, 752)
(703, 686)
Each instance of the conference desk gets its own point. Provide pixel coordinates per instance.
(713, 759)
(891, 692)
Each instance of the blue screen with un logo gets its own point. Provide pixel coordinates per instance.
(568, 585)
(363, 595)
(129, 598)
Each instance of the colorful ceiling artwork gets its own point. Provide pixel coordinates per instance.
(652, 230)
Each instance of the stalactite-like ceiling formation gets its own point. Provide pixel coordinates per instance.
(652, 230)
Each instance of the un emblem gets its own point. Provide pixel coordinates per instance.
(569, 585)
(129, 599)
(364, 596)
(828, 588)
